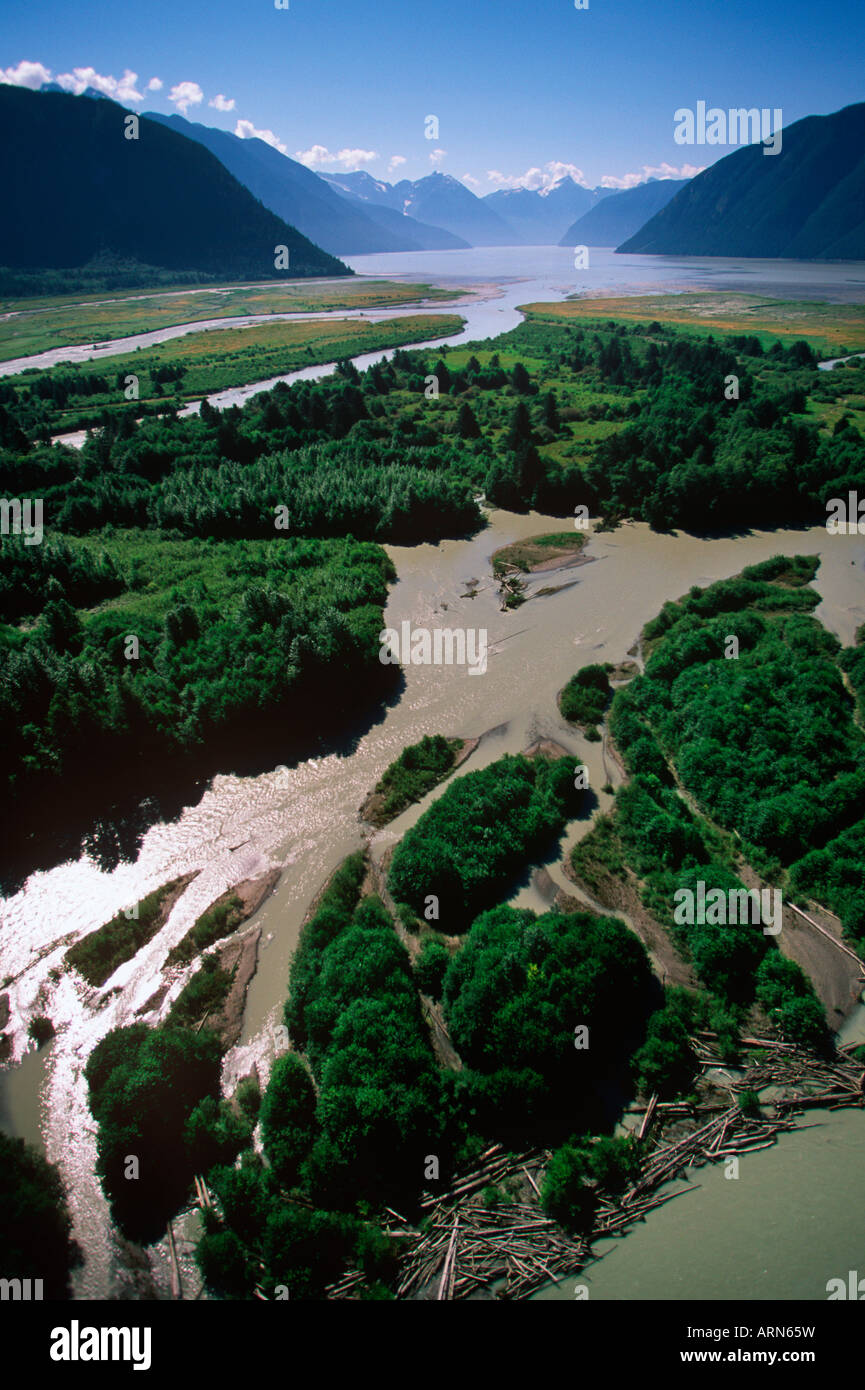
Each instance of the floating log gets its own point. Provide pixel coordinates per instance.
(647, 1118)
(444, 1286)
(176, 1288)
(531, 1179)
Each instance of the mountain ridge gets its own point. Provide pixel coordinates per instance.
(805, 203)
(622, 214)
(160, 201)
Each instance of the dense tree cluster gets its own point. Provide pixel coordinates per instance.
(430, 966)
(146, 1084)
(480, 835)
(665, 1063)
(765, 742)
(794, 790)
(585, 698)
(359, 1021)
(288, 1124)
(223, 632)
(418, 769)
(579, 1173)
(35, 1226)
(630, 420)
(516, 995)
(32, 575)
(288, 1250)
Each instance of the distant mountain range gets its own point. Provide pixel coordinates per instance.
(808, 202)
(446, 202)
(187, 198)
(77, 191)
(622, 214)
(328, 216)
(356, 214)
(539, 217)
(383, 206)
(508, 217)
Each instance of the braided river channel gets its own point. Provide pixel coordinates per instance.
(794, 1218)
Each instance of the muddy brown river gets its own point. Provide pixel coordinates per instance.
(305, 819)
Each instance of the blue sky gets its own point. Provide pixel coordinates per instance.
(517, 87)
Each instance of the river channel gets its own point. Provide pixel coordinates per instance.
(304, 819)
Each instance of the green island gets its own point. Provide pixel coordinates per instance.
(97, 955)
(418, 769)
(215, 922)
(168, 375)
(585, 698)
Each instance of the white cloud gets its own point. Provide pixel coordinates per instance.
(26, 75)
(319, 156)
(395, 161)
(536, 179)
(557, 170)
(470, 180)
(221, 103)
(247, 131)
(186, 94)
(119, 88)
(532, 178)
(437, 156)
(155, 84)
(651, 171)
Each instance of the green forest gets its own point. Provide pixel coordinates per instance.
(35, 1225)
(557, 1018)
(788, 781)
(203, 575)
(238, 548)
(352, 1115)
(782, 790)
(480, 834)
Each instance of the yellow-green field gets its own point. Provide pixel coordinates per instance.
(35, 325)
(220, 358)
(829, 328)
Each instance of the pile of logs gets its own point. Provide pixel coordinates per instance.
(474, 1246)
(465, 1245)
(830, 1084)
